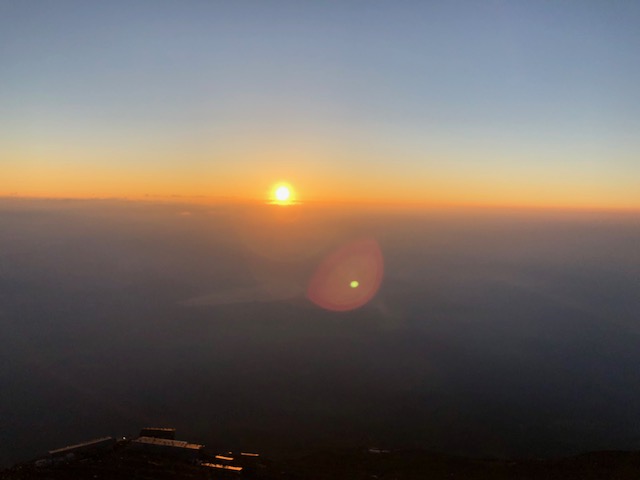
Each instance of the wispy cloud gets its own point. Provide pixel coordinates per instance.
(271, 292)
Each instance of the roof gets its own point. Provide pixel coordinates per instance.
(222, 467)
(167, 443)
(223, 457)
(89, 443)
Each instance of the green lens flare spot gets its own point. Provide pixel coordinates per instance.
(354, 284)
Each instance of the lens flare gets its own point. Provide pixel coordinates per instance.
(349, 277)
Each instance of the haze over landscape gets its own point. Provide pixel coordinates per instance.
(286, 226)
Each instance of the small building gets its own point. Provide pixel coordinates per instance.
(159, 432)
(163, 446)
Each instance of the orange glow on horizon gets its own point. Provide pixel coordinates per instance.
(44, 181)
(373, 201)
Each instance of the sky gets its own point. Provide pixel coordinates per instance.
(465, 103)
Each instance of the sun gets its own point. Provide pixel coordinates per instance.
(282, 194)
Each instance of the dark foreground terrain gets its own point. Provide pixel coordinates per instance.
(120, 462)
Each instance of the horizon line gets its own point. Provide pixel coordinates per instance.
(231, 200)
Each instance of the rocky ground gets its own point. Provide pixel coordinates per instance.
(119, 462)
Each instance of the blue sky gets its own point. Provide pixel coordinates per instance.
(376, 96)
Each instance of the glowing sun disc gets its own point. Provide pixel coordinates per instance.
(282, 193)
